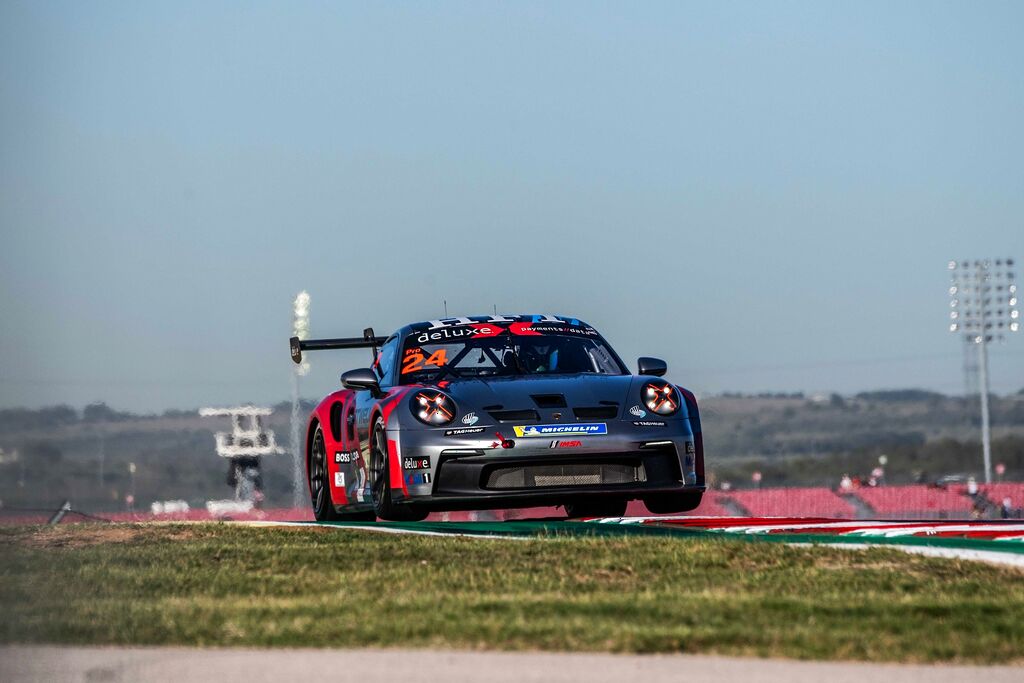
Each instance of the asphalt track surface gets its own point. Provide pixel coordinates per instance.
(174, 665)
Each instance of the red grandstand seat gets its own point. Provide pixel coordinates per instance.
(793, 502)
(915, 501)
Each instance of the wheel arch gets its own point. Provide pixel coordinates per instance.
(314, 422)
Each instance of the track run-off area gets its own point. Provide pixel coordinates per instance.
(994, 541)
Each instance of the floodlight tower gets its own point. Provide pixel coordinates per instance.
(983, 308)
(300, 329)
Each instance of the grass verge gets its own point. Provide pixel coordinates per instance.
(227, 585)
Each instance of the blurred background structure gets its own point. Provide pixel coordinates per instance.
(243, 447)
(300, 329)
(983, 309)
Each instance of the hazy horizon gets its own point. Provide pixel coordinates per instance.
(765, 195)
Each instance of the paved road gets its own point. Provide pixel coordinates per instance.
(176, 665)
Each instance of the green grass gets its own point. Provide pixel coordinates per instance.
(231, 585)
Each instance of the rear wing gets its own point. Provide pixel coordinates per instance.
(367, 341)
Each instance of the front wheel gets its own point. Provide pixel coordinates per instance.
(598, 507)
(668, 503)
(380, 487)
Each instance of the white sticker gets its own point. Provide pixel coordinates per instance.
(470, 419)
(339, 480)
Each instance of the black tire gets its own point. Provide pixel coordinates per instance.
(323, 508)
(319, 487)
(380, 483)
(668, 503)
(597, 507)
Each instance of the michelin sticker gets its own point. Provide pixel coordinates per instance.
(637, 411)
(527, 431)
(470, 419)
(339, 480)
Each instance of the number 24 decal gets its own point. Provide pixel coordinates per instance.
(415, 360)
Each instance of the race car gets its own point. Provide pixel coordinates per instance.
(500, 411)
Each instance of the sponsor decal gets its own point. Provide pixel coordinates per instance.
(416, 463)
(689, 448)
(416, 360)
(470, 419)
(502, 442)
(527, 431)
(339, 480)
(637, 411)
(345, 456)
(417, 478)
(565, 444)
(463, 430)
(453, 322)
(451, 333)
(446, 329)
(649, 423)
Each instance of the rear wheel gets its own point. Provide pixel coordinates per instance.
(380, 487)
(667, 503)
(319, 487)
(319, 491)
(598, 507)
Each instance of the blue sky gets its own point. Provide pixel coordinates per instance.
(764, 194)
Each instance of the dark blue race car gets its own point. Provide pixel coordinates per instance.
(506, 411)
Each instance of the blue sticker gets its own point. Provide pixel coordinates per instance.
(527, 431)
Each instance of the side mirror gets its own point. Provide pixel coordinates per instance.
(361, 380)
(652, 366)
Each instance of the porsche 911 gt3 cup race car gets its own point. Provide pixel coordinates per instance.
(488, 412)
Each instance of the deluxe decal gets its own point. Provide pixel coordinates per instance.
(463, 430)
(450, 333)
(565, 444)
(422, 463)
(649, 423)
(527, 431)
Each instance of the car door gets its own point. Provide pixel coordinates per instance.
(383, 368)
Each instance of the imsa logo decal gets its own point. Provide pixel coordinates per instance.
(527, 431)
